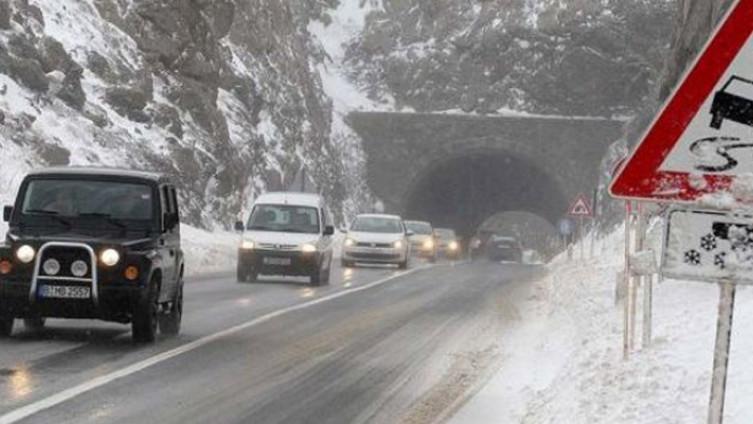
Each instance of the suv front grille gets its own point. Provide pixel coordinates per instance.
(66, 256)
(272, 246)
(375, 245)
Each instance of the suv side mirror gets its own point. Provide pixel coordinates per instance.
(329, 230)
(171, 221)
(343, 229)
(7, 212)
(239, 226)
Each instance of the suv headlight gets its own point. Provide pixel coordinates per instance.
(398, 244)
(454, 245)
(308, 248)
(247, 245)
(25, 253)
(109, 257)
(429, 244)
(349, 242)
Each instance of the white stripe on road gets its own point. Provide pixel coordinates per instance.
(68, 394)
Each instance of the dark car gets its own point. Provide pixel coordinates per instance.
(504, 248)
(93, 243)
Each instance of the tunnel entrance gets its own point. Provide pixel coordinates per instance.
(464, 191)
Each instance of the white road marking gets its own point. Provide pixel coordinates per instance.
(68, 394)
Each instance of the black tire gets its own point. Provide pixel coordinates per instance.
(169, 324)
(145, 316)
(6, 326)
(245, 276)
(403, 264)
(316, 277)
(34, 324)
(433, 259)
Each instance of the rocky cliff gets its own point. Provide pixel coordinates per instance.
(223, 95)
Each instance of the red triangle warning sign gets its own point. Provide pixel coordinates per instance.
(580, 207)
(703, 137)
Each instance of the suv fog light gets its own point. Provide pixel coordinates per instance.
(51, 267)
(79, 268)
(5, 267)
(25, 253)
(109, 257)
(131, 273)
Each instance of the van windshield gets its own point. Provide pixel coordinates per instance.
(284, 218)
(377, 225)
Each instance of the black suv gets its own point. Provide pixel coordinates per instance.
(93, 243)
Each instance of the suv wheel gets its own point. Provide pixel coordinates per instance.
(34, 324)
(6, 326)
(144, 325)
(169, 323)
(403, 264)
(346, 264)
(316, 277)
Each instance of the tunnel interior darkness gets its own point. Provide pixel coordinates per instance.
(462, 192)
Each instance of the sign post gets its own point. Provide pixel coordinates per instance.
(581, 208)
(695, 153)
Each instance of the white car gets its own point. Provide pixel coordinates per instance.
(288, 234)
(381, 239)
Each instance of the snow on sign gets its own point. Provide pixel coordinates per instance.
(708, 246)
(702, 140)
(580, 207)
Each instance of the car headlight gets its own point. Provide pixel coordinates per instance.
(25, 253)
(453, 245)
(51, 266)
(247, 245)
(79, 268)
(308, 248)
(109, 257)
(429, 244)
(349, 242)
(398, 244)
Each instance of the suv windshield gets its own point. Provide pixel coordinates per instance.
(445, 234)
(422, 228)
(88, 198)
(284, 218)
(377, 225)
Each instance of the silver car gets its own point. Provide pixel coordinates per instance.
(380, 239)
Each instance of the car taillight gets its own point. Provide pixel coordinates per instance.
(6, 267)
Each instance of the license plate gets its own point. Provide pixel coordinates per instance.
(65, 292)
(277, 261)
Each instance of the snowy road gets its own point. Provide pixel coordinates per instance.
(397, 348)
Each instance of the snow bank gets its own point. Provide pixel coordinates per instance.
(208, 252)
(564, 364)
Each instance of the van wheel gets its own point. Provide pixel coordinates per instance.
(6, 326)
(169, 324)
(34, 324)
(145, 319)
(346, 264)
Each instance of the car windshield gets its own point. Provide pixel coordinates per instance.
(377, 225)
(445, 234)
(422, 228)
(68, 198)
(284, 218)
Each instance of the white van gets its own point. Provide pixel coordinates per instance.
(288, 234)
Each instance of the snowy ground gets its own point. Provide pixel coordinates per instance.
(564, 363)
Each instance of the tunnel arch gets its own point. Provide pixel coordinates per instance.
(463, 190)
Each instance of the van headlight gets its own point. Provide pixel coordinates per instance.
(25, 253)
(454, 245)
(247, 245)
(109, 257)
(308, 248)
(349, 242)
(429, 244)
(398, 244)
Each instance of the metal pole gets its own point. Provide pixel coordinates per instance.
(626, 287)
(721, 351)
(594, 206)
(648, 310)
(582, 241)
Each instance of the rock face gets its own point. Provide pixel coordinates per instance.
(221, 94)
(576, 57)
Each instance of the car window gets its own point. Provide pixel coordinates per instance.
(421, 228)
(377, 225)
(85, 198)
(284, 218)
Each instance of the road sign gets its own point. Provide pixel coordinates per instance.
(703, 137)
(708, 246)
(566, 227)
(581, 207)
